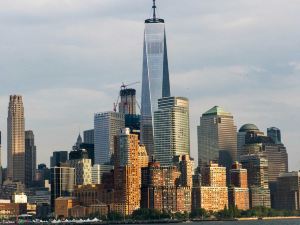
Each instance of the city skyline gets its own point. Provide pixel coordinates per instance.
(64, 103)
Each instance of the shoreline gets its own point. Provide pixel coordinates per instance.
(269, 218)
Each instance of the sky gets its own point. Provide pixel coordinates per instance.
(68, 59)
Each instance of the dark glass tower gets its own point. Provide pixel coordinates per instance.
(155, 83)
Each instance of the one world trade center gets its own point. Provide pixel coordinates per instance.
(155, 82)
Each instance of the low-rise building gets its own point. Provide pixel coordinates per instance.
(63, 206)
(12, 210)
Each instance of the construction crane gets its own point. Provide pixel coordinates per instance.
(123, 87)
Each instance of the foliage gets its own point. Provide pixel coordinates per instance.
(114, 216)
(199, 213)
(149, 214)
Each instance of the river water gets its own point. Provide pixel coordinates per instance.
(256, 222)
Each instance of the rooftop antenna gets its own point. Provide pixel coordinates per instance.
(154, 10)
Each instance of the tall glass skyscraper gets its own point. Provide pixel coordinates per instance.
(155, 83)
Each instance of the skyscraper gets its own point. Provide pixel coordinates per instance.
(155, 82)
(58, 157)
(88, 136)
(30, 158)
(217, 138)
(275, 134)
(16, 139)
(171, 129)
(106, 125)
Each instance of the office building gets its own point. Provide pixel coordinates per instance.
(288, 191)
(58, 158)
(30, 158)
(127, 172)
(98, 171)
(217, 138)
(88, 136)
(16, 139)
(238, 192)
(213, 193)
(106, 125)
(171, 129)
(258, 182)
(62, 182)
(246, 132)
(155, 81)
(276, 154)
(275, 134)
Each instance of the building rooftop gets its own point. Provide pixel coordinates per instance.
(217, 110)
(248, 127)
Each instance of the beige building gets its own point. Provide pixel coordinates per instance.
(171, 129)
(217, 138)
(16, 139)
(238, 192)
(83, 170)
(213, 192)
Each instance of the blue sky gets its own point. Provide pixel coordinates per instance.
(68, 59)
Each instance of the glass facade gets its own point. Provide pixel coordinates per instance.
(155, 82)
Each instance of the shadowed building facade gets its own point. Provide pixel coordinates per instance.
(155, 80)
(217, 138)
(30, 158)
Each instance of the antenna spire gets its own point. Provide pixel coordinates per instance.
(154, 10)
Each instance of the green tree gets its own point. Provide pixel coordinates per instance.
(114, 216)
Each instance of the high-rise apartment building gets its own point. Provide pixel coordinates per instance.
(30, 158)
(88, 136)
(155, 82)
(217, 138)
(127, 173)
(238, 192)
(288, 191)
(16, 139)
(62, 182)
(162, 190)
(171, 129)
(275, 134)
(213, 194)
(258, 182)
(106, 126)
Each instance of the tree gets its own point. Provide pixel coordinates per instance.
(114, 216)
(199, 213)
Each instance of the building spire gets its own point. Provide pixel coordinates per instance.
(154, 10)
